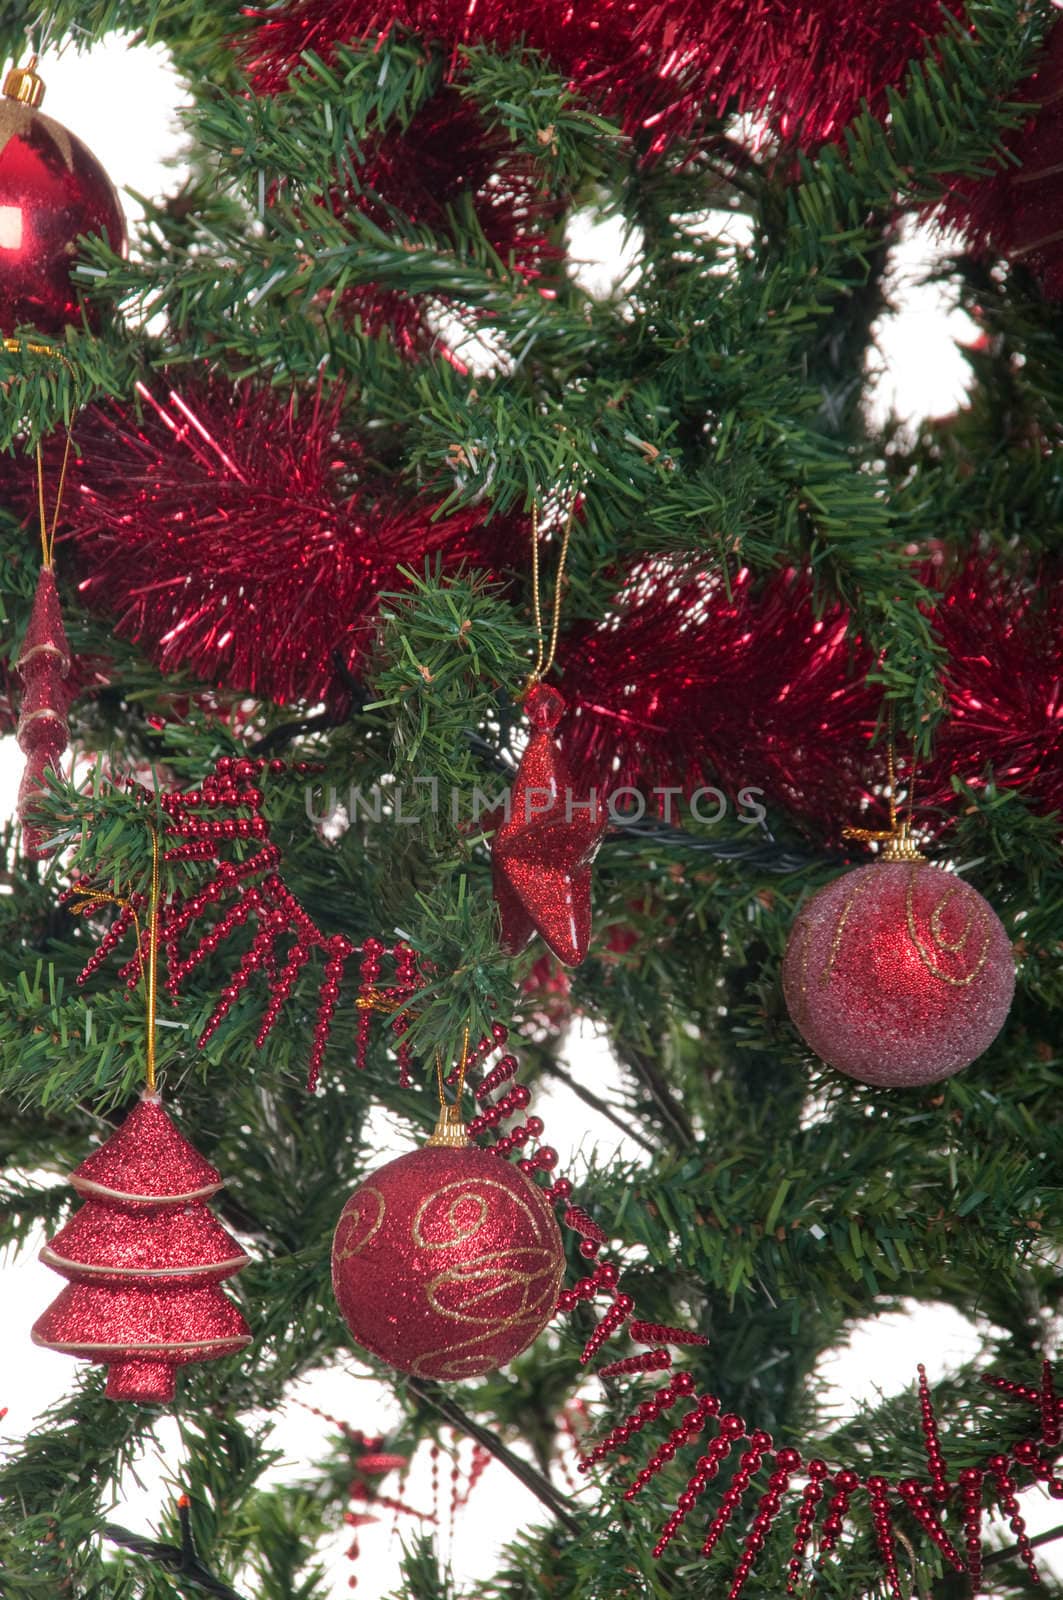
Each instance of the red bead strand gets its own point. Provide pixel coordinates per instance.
(971, 1492)
(878, 1494)
(646, 1411)
(914, 1496)
(612, 1321)
(806, 1517)
(662, 1333)
(694, 1421)
(998, 1466)
(787, 1461)
(708, 1465)
(256, 957)
(1050, 1424)
(340, 948)
(748, 1464)
(298, 956)
(935, 1460)
(845, 1483)
(648, 1361)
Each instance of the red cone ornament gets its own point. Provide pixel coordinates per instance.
(52, 189)
(144, 1257)
(898, 974)
(447, 1262)
(43, 665)
(543, 849)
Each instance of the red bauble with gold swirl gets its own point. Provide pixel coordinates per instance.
(447, 1262)
(52, 189)
(898, 974)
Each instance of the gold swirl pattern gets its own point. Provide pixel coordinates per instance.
(361, 1219)
(946, 946)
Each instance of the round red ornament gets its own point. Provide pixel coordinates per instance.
(52, 189)
(898, 974)
(447, 1262)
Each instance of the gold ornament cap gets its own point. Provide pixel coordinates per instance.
(450, 1130)
(24, 85)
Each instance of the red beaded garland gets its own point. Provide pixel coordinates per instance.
(935, 1460)
(878, 1494)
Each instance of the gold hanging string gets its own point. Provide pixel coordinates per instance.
(48, 531)
(544, 659)
(98, 897)
(898, 841)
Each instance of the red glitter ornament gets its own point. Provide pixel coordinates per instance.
(43, 666)
(898, 974)
(446, 1263)
(52, 189)
(237, 536)
(542, 850)
(144, 1257)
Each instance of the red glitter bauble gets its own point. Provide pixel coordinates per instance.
(52, 189)
(898, 974)
(447, 1262)
(144, 1257)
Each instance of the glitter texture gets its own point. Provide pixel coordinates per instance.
(542, 851)
(898, 974)
(144, 1296)
(147, 1158)
(43, 665)
(447, 1263)
(52, 189)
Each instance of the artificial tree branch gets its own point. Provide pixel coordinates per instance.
(597, 1104)
(540, 1486)
(678, 1124)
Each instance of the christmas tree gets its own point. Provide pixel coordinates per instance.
(451, 655)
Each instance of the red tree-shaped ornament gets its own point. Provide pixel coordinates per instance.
(145, 1258)
(43, 665)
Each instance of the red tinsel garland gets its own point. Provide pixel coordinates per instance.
(445, 154)
(685, 684)
(1017, 211)
(242, 539)
(661, 68)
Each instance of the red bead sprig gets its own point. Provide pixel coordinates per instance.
(1051, 1432)
(882, 1520)
(257, 893)
(806, 1517)
(648, 1361)
(935, 1460)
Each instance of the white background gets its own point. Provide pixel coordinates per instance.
(123, 103)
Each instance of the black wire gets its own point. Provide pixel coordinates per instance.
(181, 1561)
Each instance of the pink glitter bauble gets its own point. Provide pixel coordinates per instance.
(898, 974)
